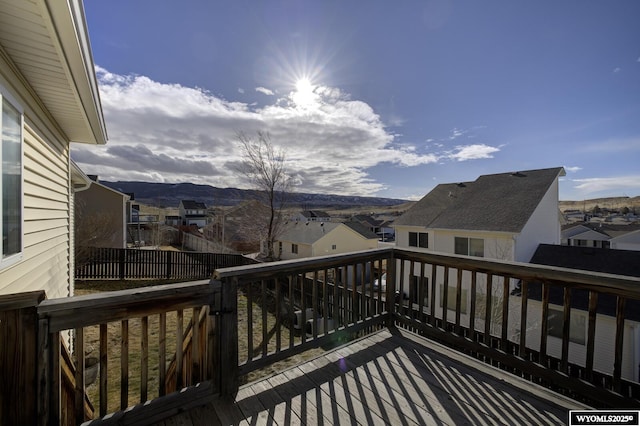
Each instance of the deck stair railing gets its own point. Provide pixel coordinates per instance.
(164, 349)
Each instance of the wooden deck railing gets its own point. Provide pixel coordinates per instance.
(250, 317)
(501, 312)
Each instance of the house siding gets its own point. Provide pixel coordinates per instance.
(603, 358)
(345, 240)
(45, 263)
(543, 227)
(112, 205)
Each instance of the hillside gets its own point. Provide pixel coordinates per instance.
(612, 203)
(170, 195)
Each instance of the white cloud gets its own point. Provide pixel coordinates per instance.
(617, 70)
(172, 133)
(572, 169)
(472, 152)
(599, 185)
(240, 90)
(456, 133)
(265, 91)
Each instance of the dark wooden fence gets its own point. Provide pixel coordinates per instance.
(120, 264)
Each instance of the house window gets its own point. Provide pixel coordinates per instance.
(451, 298)
(469, 246)
(419, 239)
(577, 326)
(11, 177)
(294, 248)
(334, 247)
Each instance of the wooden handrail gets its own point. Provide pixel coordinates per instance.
(337, 295)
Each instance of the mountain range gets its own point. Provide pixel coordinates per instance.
(170, 195)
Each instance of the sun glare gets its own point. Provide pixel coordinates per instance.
(304, 94)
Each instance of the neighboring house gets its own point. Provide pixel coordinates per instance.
(572, 216)
(611, 261)
(309, 239)
(101, 216)
(602, 235)
(311, 216)
(48, 99)
(500, 216)
(584, 236)
(172, 220)
(239, 228)
(626, 241)
(193, 213)
(382, 228)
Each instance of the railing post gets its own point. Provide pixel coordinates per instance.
(18, 357)
(168, 253)
(224, 359)
(391, 290)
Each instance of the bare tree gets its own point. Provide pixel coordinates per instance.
(265, 167)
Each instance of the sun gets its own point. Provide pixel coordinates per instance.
(303, 85)
(305, 92)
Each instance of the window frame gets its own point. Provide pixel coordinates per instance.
(15, 257)
(294, 248)
(468, 246)
(418, 239)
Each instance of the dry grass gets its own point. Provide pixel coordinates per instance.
(114, 345)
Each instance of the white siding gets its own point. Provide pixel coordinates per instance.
(543, 226)
(45, 264)
(345, 240)
(402, 237)
(603, 354)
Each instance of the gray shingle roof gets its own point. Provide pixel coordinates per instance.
(498, 202)
(310, 232)
(193, 205)
(610, 261)
(362, 230)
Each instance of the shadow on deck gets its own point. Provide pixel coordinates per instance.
(390, 377)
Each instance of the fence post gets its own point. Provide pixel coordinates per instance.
(224, 359)
(122, 263)
(169, 264)
(18, 357)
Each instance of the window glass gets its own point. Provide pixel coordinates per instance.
(461, 245)
(476, 247)
(424, 240)
(11, 180)
(469, 246)
(419, 239)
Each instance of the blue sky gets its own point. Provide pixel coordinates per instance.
(371, 98)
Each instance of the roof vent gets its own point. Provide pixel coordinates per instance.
(461, 185)
(517, 174)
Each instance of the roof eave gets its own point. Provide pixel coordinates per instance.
(70, 37)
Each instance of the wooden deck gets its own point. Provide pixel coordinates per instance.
(389, 377)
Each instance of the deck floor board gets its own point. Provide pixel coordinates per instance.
(388, 378)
